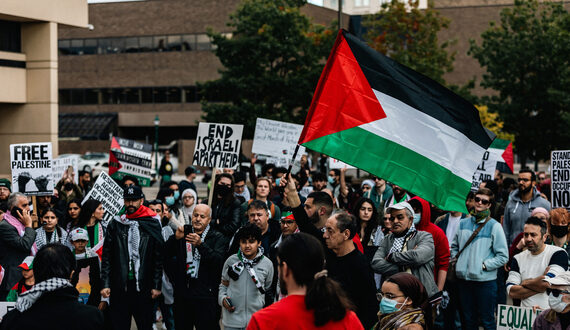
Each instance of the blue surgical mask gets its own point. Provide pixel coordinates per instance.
(388, 306)
(417, 218)
(277, 181)
(176, 194)
(169, 200)
(331, 179)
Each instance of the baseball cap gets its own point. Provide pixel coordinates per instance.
(562, 279)
(27, 264)
(6, 183)
(287, 216)
(400, 206)
(133, 192)
(79, 234)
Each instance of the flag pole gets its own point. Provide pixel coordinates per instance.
(292, 160)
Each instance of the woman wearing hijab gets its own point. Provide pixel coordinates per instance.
(189, 201)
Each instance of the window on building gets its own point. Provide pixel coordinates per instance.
(159, 43)
(132, 45)
(10, 36)
(188, 42)
(132, 96)
(76, 47)
(203, 42)
(145, 44)
(174, 43)
(160, 95)
(92, 96)
(90, 46)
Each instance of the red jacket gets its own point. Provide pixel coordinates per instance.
(439, 239)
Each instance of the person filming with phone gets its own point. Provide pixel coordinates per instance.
(17, 240)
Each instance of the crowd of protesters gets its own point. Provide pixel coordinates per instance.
(313, 248)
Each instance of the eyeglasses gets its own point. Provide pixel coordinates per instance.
(287, 222)
(387, 295)
(482, 201)
(556, 292)
(188, 197)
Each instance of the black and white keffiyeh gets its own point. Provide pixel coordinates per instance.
(28, 298)
(41, 237)
(235, 270)
(193, 255)
(399, 241)
(134, 243)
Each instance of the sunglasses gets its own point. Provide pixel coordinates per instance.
(482, 201)
(556, 292)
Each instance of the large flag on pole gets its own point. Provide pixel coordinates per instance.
(378, 115)
(503, 148)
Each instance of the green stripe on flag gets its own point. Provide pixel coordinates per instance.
(499, 144)
(385, 158)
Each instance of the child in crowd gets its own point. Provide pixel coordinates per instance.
(246, 276)
(27, 281)
(86, 258)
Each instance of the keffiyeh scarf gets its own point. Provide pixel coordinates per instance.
(399, 241)
(41, 237)
(28, 298)
(193, 256)
(235, 270)
(134, 242)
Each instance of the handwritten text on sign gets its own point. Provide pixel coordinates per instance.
(217, 145)
(276, 138)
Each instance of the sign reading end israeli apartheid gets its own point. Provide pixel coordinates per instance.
(560, 176)
(32, 168)
(277, 139)
(218, 145)
(485, 169)
(515, 318)
(109, 193)
(128, 157)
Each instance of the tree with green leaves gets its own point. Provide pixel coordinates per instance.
(409, 36)
(527, 57)
(271, 64)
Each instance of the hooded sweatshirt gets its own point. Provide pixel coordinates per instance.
(441, 259)
(517, 211)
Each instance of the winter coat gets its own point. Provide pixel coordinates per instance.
(13, 249)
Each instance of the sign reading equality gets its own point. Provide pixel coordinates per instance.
(218, 145)
(515, 318)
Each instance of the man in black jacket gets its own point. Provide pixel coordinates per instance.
(131, 267)
(53, 302)
(199, 251)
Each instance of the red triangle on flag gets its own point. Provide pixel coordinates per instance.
(343, 98)
(508, 156)
(114, 164)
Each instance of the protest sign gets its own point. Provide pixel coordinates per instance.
(60, 164)
(128, 157)
(485, 170)
(31, 168)
(109, 193)
(560, 176)
(277, 139)
(335, 163)
(515, 318)
(5, 307)
(217, 145)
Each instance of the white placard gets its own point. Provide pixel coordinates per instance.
(335, 163)
(31, 168)
(515, 318)
(109, 193)
(5, 307)
(485, 170)
(59, 166)
(277, 139)
(218, 145)
(560, 177)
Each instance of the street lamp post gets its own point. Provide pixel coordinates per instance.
(156, 123)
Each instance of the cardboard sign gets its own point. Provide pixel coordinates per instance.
(32, 173)
(128, 157)
(560, 176)
(335, 163)
(60, 164)
(218, 145)
(277, 139)
(485, 170)
(514, 318)
(5, 307)
(109, 193)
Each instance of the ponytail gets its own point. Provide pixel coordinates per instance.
(328, 300)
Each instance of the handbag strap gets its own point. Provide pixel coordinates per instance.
(475, 233)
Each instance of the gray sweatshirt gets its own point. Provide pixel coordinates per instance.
(517, 211)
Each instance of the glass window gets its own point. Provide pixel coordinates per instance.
(190, 94)
(146, 95)
(91, 96)
(103, 45)
(131, 45)
(159, 43)
(117, 45)
(145, 44)
(203, 42)
(10, 36)
(160, 94)
(63, 46)
(77, 96)
(174, 95)
(132, 96)
(189, 42)
(109, 96)
(65, 97)
(174, 43)
(90, 46)
(76, 47)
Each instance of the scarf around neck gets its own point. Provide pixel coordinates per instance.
(41, 237)
(480, 216)
(399, 241)
(235, 270)
(20, 228)
(193, 255)
(133, 239)
(28, 298)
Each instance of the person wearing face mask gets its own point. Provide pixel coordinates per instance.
(557, 317)
(422, 216)
(176, 218)
(404, 304)
(558, 228)
(225, 206)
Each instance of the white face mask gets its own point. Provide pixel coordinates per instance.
(556, 303)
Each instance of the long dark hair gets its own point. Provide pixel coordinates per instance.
(229, 198)
(57, 215)
(305, 257)
(372, 224)
(66, 218)
(412, 287)
(87, 210)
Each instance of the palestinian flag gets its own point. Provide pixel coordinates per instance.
(504, 150)
(378, 115)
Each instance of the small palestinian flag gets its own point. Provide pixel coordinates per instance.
(378, 115)
(504, 150)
